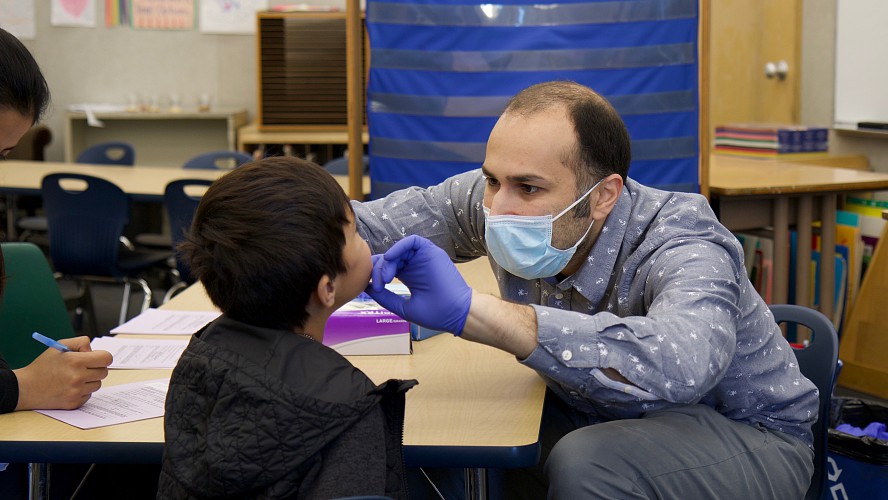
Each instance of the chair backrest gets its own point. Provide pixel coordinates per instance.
(180, 210)
(218, 160)
(442, 71)
(109, 153)
(31, 303)
(84, 226)
(339, 166)
(818, 362)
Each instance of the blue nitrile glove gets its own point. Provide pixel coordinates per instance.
(439, 297)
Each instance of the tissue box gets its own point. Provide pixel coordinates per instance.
(364, 327)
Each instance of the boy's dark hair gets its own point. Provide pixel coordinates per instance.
(264, 235)
(22, 86)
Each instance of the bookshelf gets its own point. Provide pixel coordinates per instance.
(162, 138)
(317, 145)
(752, 194)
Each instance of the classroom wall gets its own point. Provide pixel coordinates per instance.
(109, 64)
(818, 83)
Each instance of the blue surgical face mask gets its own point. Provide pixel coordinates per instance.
(522, 244)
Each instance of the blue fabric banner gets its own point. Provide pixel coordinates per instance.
(442, 71)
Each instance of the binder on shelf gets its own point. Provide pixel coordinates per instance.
(871, 225)
(766, 282)
(848, 236)
(758, 258)
(840, 285)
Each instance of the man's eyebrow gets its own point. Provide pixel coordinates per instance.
(520, 179)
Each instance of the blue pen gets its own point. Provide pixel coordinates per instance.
(48, 342)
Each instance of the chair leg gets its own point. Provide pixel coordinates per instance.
(148, 295)
(127, 292)
(84, 311)
(176, 288)
(90, 309)
(124, 304)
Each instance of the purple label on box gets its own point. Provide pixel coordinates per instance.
(347, 326)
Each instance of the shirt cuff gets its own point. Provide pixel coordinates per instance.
(9, 391)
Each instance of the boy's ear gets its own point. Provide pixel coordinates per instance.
(326, 291)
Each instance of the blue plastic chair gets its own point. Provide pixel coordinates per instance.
(819, 362)
(180, 208)
(218, 160)
(339, 166)
(109, 153)
(31, 302)
(84, 235)
(214, 160)
(105, 153)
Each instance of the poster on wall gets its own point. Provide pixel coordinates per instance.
(73, 13)
(17, 17)
(163, 14)
(116, 13)
(230, 16)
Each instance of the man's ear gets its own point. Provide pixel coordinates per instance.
(326, 291)
(608, 193)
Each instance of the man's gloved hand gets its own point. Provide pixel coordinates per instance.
(439, 297)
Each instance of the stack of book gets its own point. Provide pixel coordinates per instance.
(772, 141)
(849, 254)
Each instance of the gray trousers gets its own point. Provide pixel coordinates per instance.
(689, 452)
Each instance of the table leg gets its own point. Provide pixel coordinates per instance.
(781, 249)
(804, 218)
(827, 254)
(476, 483)
(37, 481)
(11, 216)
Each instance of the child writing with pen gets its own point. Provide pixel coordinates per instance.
(55, 380)
(257, 406)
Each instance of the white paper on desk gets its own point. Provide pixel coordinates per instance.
(143, 354)
(167, 322)
(117, 404)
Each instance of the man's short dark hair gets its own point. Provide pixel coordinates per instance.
(603, 145)
(264, 235)
(22, 86)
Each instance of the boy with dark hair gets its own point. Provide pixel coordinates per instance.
(257, 406)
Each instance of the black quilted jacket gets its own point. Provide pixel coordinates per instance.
(259, 413)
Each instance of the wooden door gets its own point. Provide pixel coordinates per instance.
(746, 35)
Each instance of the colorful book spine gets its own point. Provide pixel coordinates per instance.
(771, 140)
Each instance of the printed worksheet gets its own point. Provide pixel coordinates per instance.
(146, 354)
(167, 322)
(117, 404)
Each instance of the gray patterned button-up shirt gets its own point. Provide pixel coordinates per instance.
(663, 299)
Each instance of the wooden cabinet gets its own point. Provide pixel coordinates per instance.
(319, 146)
(303, 73)
(865, 338)
(160, 139)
